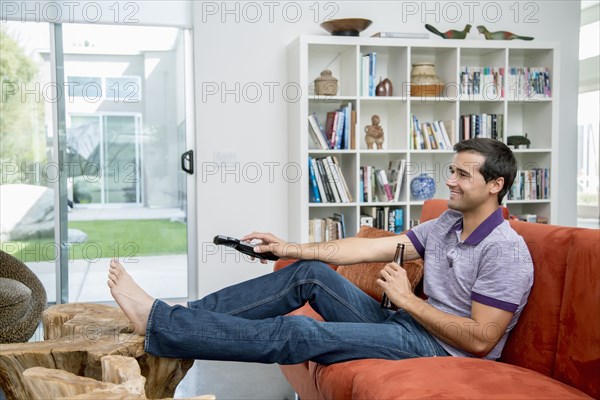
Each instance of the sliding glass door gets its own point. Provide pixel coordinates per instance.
(110, 158)
(107, 149)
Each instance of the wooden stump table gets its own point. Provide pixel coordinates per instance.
(72, 360)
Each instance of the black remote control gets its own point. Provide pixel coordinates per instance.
(243, 248)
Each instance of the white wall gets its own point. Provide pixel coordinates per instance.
(118, 12)
(244, 44)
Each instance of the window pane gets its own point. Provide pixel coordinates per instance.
(83, 156)
(127, 88)
(27, 171)
(84, 86)
(588, 152)
(121, 168)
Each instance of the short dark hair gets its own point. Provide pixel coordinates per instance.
(499, 161)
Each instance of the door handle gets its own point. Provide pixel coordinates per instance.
(187, 162)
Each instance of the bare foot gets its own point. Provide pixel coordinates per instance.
(132, 299)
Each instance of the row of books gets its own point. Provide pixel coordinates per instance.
(531, 184)
(368, 74)
(386, 218)
(482, 81)
(339, 129)
(481, 125)
(326, 181)
(380, 185)
(434, 135)
(527, 82)
(326, 229)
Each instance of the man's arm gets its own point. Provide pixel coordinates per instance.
(337, 252)
(477, 335)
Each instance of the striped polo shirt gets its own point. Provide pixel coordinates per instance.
(492, 267)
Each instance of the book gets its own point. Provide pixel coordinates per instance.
(445, 135)
(353, 130)
(397, 173)
(439, 138)
(450, 130)
(329, 127)
(366, 220)
(348, 194)
(333, 177)
(340, 218)
(322, 194)
(364, 81)
(399, 220)
(402, 35)
(325, 180)
(372, 72)
(317, 131)
(314, 196)
(347, 122)
(385, 185)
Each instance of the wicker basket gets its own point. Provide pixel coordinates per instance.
(427, 90)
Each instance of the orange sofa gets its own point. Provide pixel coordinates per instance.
(552, 353)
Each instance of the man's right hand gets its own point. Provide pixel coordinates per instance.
(270, 242)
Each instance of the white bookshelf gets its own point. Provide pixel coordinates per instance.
(309, 55)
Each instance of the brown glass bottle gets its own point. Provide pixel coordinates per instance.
(399, 259)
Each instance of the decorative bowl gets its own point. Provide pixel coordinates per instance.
(346, 26)
(422, 187)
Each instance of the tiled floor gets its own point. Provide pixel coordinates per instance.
(234, 380)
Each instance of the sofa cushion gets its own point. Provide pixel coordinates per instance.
(533, 341)
(365, 275)
(578, 352)
(437, 378)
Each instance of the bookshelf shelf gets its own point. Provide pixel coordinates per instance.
(511, 108)
(540, 201)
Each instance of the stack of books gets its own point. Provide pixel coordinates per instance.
(481, 125)
(380, 185)
(326, 181)
(485, 82)
(434, 135)
(326, 229)
(529, 82)
(368, 74)
(386, 218)
(337, 133)
(531, 184)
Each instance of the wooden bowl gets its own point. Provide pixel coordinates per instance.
(346, 26)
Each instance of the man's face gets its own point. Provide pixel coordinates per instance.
(468, 189)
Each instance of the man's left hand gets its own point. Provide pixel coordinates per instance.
(394, 282)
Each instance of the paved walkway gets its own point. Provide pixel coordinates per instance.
(160, 276)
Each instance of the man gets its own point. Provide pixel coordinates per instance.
(478, 274)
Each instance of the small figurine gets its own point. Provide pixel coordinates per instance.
(500, 35)
(451, 34)
(374, 133)
(517, 141)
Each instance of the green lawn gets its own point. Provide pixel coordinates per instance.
(121, 238)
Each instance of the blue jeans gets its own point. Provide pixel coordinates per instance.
(247, 322)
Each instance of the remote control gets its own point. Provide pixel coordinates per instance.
(243, 248)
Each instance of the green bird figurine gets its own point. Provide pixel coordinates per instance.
(451, 34)
(500, 35)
